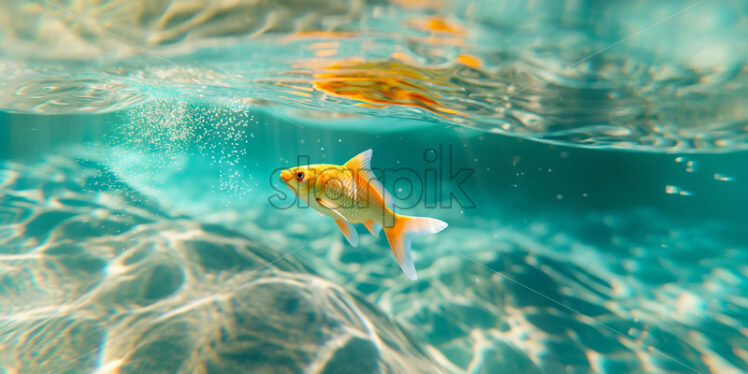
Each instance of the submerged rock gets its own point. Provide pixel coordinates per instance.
(93, 277)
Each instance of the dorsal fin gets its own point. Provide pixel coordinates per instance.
(361, 164)
(361, 161)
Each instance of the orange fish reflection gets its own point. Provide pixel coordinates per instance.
(380, 84)
(438, 25)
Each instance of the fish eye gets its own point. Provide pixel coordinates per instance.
(299, 176)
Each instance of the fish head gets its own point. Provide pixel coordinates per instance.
(299, 179)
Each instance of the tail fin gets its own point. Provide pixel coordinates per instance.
(400, 234)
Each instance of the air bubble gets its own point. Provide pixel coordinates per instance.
(723, 178)
(675, 190)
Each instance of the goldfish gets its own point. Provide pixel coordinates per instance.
(352, 194)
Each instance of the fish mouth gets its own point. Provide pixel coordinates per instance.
(286, 175)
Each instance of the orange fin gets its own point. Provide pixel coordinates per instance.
(348, 231)
(361, 161)
(361, 164)
(400, 234)
(373, 227)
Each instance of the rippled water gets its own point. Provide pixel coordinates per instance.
(642, 76)
(143, 227)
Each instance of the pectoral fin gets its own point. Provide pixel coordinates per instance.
(349, 231)
(331, 206)
(327, 204)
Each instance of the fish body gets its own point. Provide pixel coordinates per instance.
(351, 194)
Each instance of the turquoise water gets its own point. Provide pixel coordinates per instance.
(588, 156)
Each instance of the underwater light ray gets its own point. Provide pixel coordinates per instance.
(594, 321)
(100, 348)
(286, 118)
(501, 100)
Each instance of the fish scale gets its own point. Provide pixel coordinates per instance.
(355, 201)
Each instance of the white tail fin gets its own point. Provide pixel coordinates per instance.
(400, 234)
